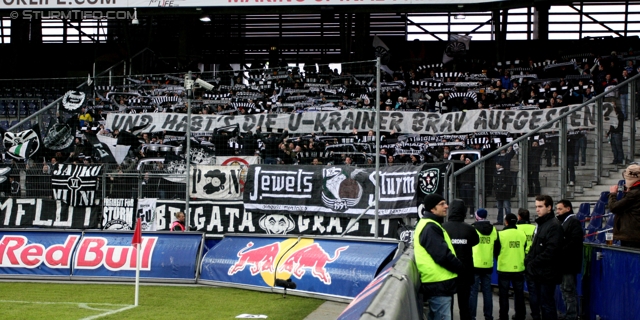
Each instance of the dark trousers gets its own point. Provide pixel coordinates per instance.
(551, 149)
(464, 293)
(533, 179)
(545, 294)
(505, 279)
(533, 300)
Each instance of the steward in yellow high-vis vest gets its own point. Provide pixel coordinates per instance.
(525, 226)
(435, 257)
(483, 264)
(510, 252)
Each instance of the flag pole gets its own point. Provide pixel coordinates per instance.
(137, 242)
(137, 273)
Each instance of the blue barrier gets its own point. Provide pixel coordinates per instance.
(335, 267)
(612, 282)
(164, 255)
(37, 253)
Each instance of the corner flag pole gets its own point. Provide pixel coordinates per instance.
(137, 241)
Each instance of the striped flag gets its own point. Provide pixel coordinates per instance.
(21, 150)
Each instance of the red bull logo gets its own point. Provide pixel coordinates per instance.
(285, 259)
(258, 259)
(95, 252)
(17, 253)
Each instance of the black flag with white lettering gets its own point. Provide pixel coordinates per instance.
(76, 185)
(100, 150)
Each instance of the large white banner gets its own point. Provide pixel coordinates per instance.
(147, 212)
(114, 4)
(344, 121)
(217, 182)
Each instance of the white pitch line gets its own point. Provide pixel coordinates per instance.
(109, 313)
(83, 306)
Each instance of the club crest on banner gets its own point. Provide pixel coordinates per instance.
(58, 137)
(21, 145)
(339, 191)
(201, 156)
(73, 100)
(277, 223)
(429, 180)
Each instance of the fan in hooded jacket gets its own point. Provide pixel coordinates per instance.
(463, 237)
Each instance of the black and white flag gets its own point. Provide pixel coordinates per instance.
(73, 100)
(21, 145)
(75, 185)
(457, 47)
(217, 182)
(117, 214)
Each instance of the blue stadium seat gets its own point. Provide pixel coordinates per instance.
(583, 212)
(13, 123)
(4, 124)
(596, 219)
(23, 112)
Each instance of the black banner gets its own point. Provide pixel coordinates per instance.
(230, 217)
(44, 213)
(330, 190)
(431, 180)
(74, 184)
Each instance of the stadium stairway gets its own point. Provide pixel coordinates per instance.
(585, 190)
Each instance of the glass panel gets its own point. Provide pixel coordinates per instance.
(428, 19)
(564, 27)
(607, 17)
(564, 36)
(516, 36)
(589, 8)
(516, 27)
(421, 37)
(597, 27)
(462, 28)
(564, 18)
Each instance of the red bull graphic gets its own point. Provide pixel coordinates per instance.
(95, 252)
(325, 266)
(18, 252)
(259, 259)
(311, 257)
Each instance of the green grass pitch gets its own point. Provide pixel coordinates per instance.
(30, 300)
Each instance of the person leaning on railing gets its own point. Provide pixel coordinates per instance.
(626, 226)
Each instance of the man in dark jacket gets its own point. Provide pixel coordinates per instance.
(572, 255)
(626, 226)
(436, 258)
(542, 264)
(483, 264)
(533, 168)
(502, 186)
(271, 143)
(463, 237)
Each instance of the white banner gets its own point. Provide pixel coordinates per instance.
(344, 121)
(147, 212)
(237, 160)
(217, 182)
(113, 4)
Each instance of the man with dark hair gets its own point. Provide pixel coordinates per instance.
(435, 257)
(542, 264)
(524, 225)
(572, 256)
(510, 250)
(463, 237)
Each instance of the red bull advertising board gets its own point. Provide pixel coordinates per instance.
(336, 267)
(37, 253)
(164, 255)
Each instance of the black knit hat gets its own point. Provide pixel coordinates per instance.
(432, 200)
